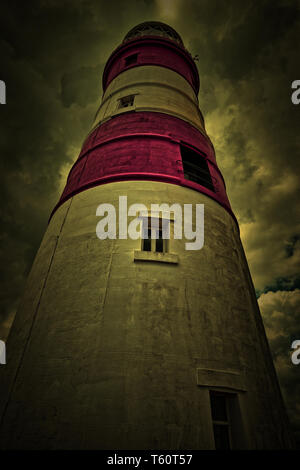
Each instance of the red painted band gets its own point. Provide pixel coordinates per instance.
(146, 123)
(152, 50)
(144, 135)
(142, 145)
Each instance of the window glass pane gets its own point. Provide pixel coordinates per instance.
(131, 59)
(218, 407)
(147, 244)
(126, 101)
(221, 434)
(160, 243)
(195, 167)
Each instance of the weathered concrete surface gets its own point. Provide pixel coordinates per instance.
(155, 89)
(110, 352)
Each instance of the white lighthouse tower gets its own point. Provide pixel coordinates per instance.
(125, 343)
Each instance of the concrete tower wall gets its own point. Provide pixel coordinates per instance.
(121, 347)
(155, 89)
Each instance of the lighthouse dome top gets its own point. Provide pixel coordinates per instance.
(153, 28)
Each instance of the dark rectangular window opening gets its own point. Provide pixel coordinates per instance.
(131, 59)
(158, 244)
(126, 101)
(147, 241)
(195, 167)
(220, 418)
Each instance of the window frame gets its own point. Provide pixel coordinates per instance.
(153, 241)
(130, 56)
(122, 103)
(216, 422)
(205, 178)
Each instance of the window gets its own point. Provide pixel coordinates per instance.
(195, 167)
(155, 238)
(126, 101)
(155, 235)
(220, 417)
(131, 59)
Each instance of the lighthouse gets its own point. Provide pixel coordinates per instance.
(142, 341)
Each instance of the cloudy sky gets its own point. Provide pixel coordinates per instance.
(52, 54)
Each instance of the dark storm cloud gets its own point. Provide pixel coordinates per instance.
(52, 54)
(291, 244)
(230, 36)
(283, 284)
(80, 86)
